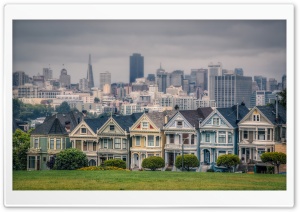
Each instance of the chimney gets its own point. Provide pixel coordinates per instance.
(67, 126)
(84, 112)
(166, 119)
(276, 108)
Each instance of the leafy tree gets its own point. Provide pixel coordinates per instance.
(63, 108)
(70, 159)
(17, 104)
(21, 143)
(275, 158)
(176, 107)
(96, 100)
(153, 163)
(282, 100)
(228, 161)
(116, 163)
(189, 161)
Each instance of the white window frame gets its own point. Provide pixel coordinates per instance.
(217, 121)
(247, 132)
(58, 139)
(145, 125)
(149, 140)
(118, 142)
(82, 129)
(207, 137)
(51, 139)
(36, 143)
(179, 125)
(111, 127)
(256, 117)
(222, 134)
(138, 141)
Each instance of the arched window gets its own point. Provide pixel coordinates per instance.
(92, 162)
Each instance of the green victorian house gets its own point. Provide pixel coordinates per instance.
(50, 138)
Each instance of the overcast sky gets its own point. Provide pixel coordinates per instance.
(259, 47)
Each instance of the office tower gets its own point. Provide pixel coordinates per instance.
(261, 82)
(283, 82)
(261, 98)
(47, 73)
(90, 77)
(136, 67)
(213, 70)
(38, 80)
(239, 71)
(186, 86)
(272, 85)
(151, 77)
(228, 90)
(105, 78)
(64, 78)
(177, 78)
(20, 78)
(161, 79)
(83, 85)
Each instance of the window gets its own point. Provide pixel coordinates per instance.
(283, 132)
(222, 137)
(118, 157)
(138, 141)
(36, 143)
(179, 124)
(110, 157)
(105, 143)
(245, 135)
(84, 146)
(145, 125)
(117, 143)
(78, 144)
(124, 144)
(157, 141)
(110, 143)
(150, 155)
(222, 153)
(111, 127)
(207, 137)
(269, 135)
(94, 146)
(185, 138)
(58, 143)
(63, 144)
(31, 164)
(150, 140)
(83, 130)
(261, 134)
(255, 117)
(216, 121)
(51, 143)
(171, 138)
(124, 158)
(229, 138)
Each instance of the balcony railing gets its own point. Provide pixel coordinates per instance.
(179, 146)
(121, 151)
(34, 150)
(215, 144)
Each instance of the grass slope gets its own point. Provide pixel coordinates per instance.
(146, 180)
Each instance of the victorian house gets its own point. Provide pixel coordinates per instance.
(114, 138)
(182, 134)
(262, 130)
(219, 134)
(147, 137)
(50, 137)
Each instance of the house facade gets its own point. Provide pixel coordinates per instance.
(50, 138)
(219, 134)
(260, 131)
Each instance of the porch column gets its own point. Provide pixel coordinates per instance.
(251, 156)
(166, 158)
(240, 152)
(140, 159)
(174, 158)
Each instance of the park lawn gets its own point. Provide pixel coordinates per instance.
(144, 180)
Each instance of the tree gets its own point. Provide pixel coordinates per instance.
(96, 100)
(153, 163)
(63, 108)
(282, 100)
(176, 107)
(21, 143)
(275, 158)
(17, 104)
(229, 161)
(70, 159)
(116, 163)
(189, 161)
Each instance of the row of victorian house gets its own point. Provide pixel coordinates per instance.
(205, 132)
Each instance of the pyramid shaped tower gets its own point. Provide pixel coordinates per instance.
(90, 77)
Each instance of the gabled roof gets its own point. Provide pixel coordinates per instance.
(158, 118)
(56, 124)
(269, 112)
(193, 116)
(97, 123)
(125, 122)
(230, 113)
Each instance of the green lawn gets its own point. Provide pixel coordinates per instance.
(144, 180)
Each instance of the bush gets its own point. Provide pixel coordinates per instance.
(228, 161)
(274, 158)
(70, 159)
(153, 163)
(116, 163)
(189, 161)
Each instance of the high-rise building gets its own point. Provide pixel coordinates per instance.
(177, 78)
(136, 67)
(213, 70)
(151, 77)
(161, 79)
(239, 71)
(283, 82)
(228, 90)
(272, 84)
(261, 82)
(105, 78)
(20, 78)
(83, 85)
(64, 78)
(90, 77)
(47, 73)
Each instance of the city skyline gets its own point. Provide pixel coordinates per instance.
(259, 47)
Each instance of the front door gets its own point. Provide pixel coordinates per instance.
(206, 157)
(171, 159)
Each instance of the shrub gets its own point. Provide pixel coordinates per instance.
(153, 163)
(70, 159)
(228, 161)
(116, 163)
(189, 161)
(274, 158)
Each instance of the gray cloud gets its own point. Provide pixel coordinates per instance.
(258, 46)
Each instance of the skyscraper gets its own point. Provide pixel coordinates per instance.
(47, 73)
(177, 78)
(64, 78)
(20, 78)
(161, 79)
(261, 82)
(105, 78)
(90, 77)
(136, 67)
